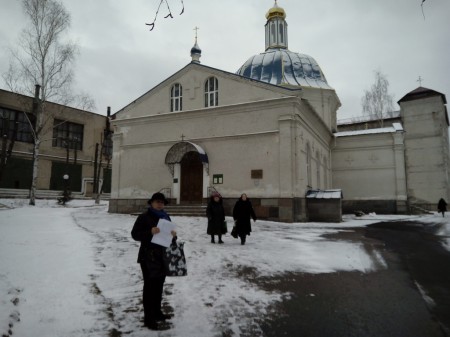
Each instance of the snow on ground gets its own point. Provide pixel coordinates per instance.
(71, 270)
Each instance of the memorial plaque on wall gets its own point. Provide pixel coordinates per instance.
(257, 174)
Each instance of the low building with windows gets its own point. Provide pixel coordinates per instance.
(400, 167)
(270, 130)
(68, 146)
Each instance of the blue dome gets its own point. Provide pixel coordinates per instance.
(196, 49)
(280, 66)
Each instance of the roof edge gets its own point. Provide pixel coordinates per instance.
(420, 93)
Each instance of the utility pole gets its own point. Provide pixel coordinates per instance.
(106, 135)
(95, 189)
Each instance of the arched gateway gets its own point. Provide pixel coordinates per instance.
(188, 164)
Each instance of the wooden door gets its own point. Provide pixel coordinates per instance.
(191, 179)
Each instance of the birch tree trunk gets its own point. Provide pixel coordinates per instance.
(37, 145)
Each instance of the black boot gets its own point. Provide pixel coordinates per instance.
(220, 239)
(151, 324)
(212, 239)
(162, 317)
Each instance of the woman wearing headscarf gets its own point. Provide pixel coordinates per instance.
(242, 213)
(216, 217)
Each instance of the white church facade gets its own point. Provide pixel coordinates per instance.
(270, 130)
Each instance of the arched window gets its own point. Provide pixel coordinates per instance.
(211, 92)
(273, 32)
(176, 98)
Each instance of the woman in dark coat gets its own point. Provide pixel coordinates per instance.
(242, 212)
(442, 206)
(216, 217)
(150, 258)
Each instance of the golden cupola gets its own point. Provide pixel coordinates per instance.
(276, 11)
(276, 28)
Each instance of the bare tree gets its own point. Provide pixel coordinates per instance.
(41, 58)
(168, 15)
(377, 101)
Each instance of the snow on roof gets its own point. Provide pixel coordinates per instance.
(420, 93)
(396, 127)
(324, 194)
(368, 118)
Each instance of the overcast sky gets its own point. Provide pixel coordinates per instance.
(120, 59)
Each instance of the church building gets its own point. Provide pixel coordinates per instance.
(270, 130)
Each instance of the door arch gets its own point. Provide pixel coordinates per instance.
(188, 164)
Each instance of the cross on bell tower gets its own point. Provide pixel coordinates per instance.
(420, 80)
(196, 52)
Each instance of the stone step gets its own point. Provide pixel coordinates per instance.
(186, 210)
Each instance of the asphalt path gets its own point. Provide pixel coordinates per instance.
(410, 297)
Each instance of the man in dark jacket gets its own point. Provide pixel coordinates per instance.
(150, 258)
(242, 212)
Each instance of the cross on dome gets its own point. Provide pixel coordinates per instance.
(196, 52)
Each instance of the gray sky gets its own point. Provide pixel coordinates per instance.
(120, 59)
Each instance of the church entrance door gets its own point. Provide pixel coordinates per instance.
(191, 179)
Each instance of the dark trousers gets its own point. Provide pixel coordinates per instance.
(152, 293)
(218, 235)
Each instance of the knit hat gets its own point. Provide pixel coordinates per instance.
(158, 196)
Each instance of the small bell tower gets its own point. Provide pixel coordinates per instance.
(196, 52)
(276, 28)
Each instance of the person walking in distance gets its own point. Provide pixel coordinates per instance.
(442, 207)
(242, 213)
(216, 217)
(150, 258)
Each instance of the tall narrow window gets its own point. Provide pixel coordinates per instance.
(273, 33)
(281, 33)
(318, 169)
(176, 98)
(308, 164)
(325, 173)
(211, 92)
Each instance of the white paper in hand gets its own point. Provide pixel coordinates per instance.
(164, 237)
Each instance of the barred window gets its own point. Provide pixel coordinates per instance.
(9, 119)
(67, 134)
(176, 98)
(211, 92)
